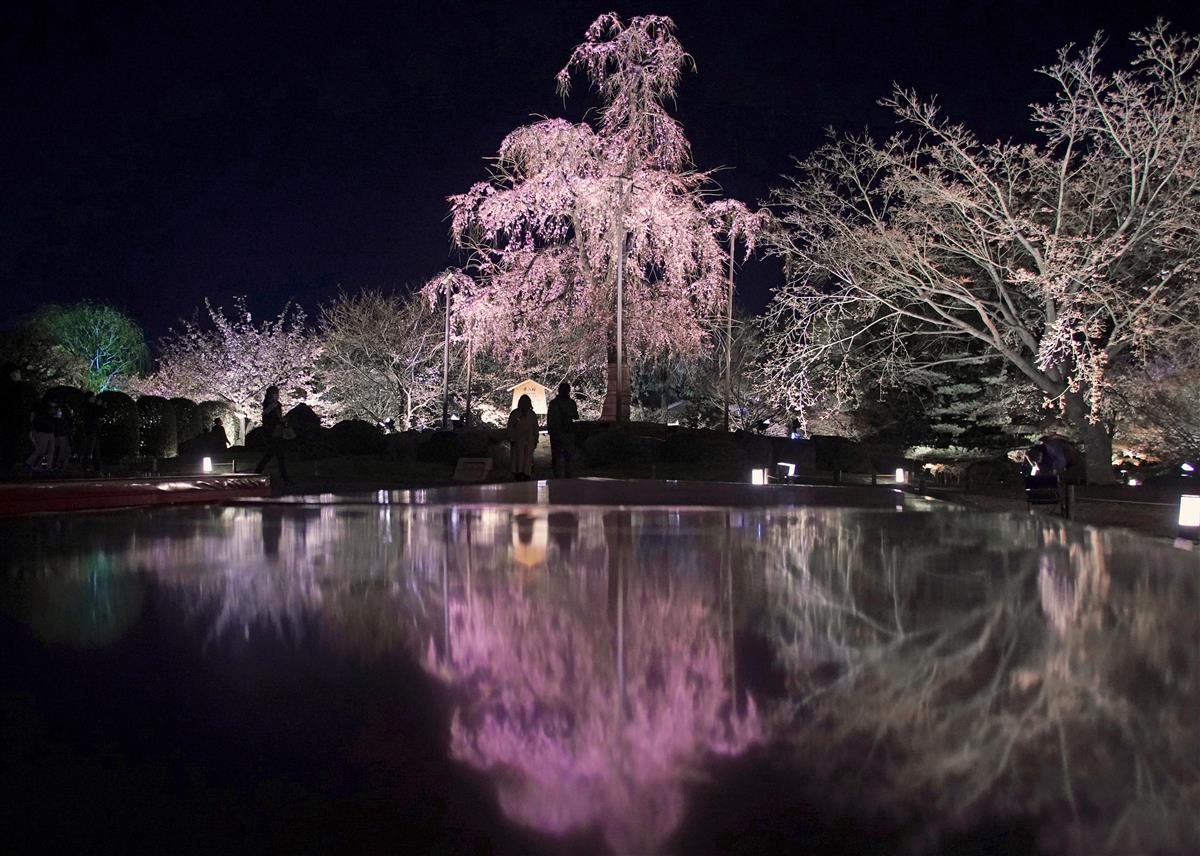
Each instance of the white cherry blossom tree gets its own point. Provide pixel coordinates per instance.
(234, 359)
(1066, 259)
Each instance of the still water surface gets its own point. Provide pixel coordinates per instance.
(374, 677)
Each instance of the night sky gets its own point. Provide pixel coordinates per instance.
(158, 153)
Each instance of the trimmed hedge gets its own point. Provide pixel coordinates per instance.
(158, 434)
(120, 427)
(303, 421)
(356, 437)
(693, 446)
(187, 419)
(446, 447)
(615, 446)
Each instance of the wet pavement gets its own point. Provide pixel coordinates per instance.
(509, 674)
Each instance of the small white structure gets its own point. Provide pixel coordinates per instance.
(536, 393)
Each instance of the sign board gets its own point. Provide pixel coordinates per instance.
(536, 393)
(472, 469)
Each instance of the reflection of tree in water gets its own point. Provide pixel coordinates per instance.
(945, 669)
(1027, 680)
(590, 693)
(84, 602)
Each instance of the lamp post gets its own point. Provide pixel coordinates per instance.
(622, 411)
(729, 333)
(446, 361)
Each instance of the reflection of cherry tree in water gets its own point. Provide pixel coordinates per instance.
(592, 695)
(964, 689)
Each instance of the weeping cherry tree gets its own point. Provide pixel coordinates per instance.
(568, 205)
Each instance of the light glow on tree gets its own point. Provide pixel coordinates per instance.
(565, 200)
(235, 359)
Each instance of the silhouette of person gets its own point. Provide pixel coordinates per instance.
(561, 416)
(523, 435)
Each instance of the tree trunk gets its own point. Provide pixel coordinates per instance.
(1097, 441)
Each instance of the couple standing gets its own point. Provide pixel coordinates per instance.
(561, 415)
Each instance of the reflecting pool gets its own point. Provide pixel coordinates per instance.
(366, 676)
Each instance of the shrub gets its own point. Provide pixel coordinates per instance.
(686, 447)
(256, 439)
(304, 421)
(615, 447)
(158, 433)
(356, 437)
(402, 446)
(839, 453)
(446, 447)
(187, 419)
(119, 427)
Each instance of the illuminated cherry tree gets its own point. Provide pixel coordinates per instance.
(1066, 260)
(235, 359)
(566, 201)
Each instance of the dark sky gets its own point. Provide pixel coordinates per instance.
(158, 153)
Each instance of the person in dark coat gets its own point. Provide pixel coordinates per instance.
(523, 435)
(64, 421)
(93, 413)
(561, 415)
(217, 438)
(42, 434)
(275, 427)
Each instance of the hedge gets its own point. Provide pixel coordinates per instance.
(158, 434)
(119, 427)
(356, 437)
(446, 447)
(187, 419)
(615, 446)
(303, 421)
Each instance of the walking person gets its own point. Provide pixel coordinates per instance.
(93, 412)
(561, 416)
(277, 431)
(42, 434)
(523, 435)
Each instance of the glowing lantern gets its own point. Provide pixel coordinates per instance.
(901, 475)
(206, 465)
(1189, 512)
(758, 475)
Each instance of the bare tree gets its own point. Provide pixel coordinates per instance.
(1067, 259)
(382, 356)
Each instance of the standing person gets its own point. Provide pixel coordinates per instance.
(217, 437)
(560, 421)
(64, 421)
(93, 412)
(42, 434)
(275, 427)
(523, 435)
